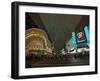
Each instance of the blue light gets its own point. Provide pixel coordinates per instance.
(74, 39)
(87, 33)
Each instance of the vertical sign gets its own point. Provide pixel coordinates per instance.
(87, 35)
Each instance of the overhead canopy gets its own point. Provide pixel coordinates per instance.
(58, 27)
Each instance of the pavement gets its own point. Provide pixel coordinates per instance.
(34, 61)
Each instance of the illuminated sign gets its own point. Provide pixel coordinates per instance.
(80, 37)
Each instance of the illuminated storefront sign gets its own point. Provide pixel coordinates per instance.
(81, 37)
